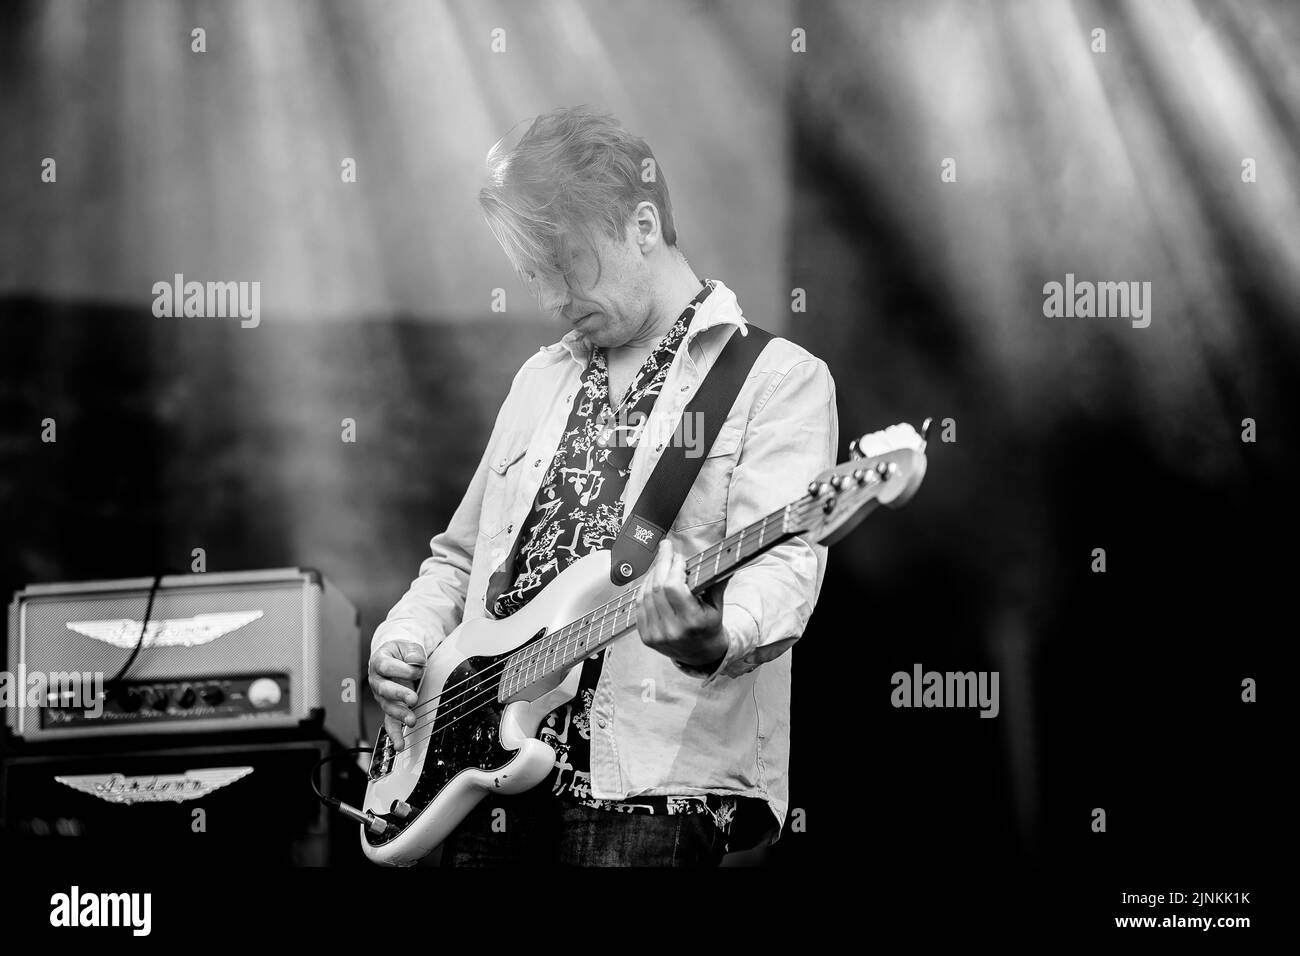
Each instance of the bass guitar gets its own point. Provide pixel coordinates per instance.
(488, 686)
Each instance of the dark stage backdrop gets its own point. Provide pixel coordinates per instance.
(1118, 690)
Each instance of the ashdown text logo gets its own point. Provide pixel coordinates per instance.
(155, 788)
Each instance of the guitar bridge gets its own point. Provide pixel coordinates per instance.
(381, 762)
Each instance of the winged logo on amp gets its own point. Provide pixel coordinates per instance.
(155, 788)
(172, 632)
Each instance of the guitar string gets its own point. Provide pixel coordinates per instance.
(566, 639)
(596, 617)
(484, 698)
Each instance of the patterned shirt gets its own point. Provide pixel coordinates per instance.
(579, 509)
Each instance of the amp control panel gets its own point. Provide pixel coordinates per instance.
(240, 698)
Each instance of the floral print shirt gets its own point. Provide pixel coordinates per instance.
(579, 509)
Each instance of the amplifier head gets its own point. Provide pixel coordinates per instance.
(221, 651)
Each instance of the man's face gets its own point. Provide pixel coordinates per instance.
(607, 296)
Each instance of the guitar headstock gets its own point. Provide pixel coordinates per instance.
(884, 468)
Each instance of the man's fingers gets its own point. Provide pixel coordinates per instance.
(647, 621)
(678, 596)
(667, 603)
(681, 604)
(397, 669)
(663, 610)
(395, 692)
(393, 727)
(410, 652)
(398, 712)
(400, 660)
(663, 559)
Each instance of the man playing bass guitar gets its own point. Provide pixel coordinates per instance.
(676, 748)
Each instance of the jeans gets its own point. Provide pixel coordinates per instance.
(535, 828)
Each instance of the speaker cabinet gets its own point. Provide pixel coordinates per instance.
(199, 807)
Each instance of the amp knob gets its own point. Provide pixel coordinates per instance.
(263, 693)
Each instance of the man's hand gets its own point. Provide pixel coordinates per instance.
(395, 671)
(672, 620)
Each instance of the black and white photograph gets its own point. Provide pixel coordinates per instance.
(839, 444)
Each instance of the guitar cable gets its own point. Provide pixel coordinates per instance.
(144, 629)
(376, 825)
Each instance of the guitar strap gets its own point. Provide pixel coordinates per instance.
(670, 482)
(661, 498)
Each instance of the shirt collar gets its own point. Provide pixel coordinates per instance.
(718, 308)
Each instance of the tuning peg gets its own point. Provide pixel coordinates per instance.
(854, 451)
(925, 432)
(837, 482)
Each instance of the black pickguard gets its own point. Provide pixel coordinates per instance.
(468, 736)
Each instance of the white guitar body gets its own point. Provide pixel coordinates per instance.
(583, 585)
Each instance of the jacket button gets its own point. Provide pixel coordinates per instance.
(537, 463)
(601, 723)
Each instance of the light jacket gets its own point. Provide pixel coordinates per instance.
(727, 732)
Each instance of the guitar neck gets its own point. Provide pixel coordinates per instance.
(563, 648)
